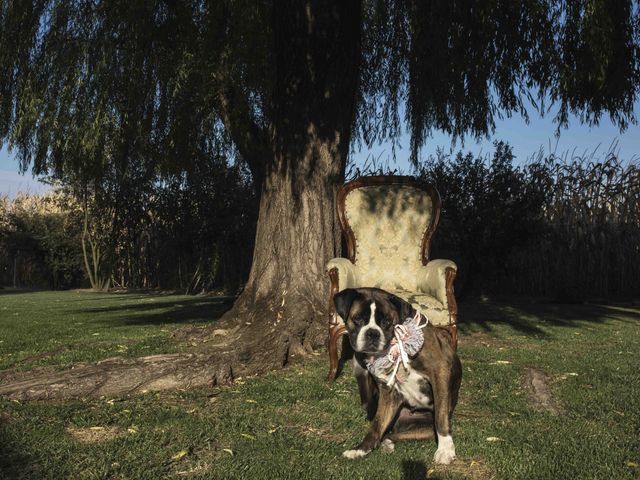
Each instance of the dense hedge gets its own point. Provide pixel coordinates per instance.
(558, 227)
(191, 231)
(39, 242)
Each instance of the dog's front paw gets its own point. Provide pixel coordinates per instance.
(387, 446)
(355, 453)
(444, 457)
(446, 452)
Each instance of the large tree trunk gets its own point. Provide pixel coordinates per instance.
(281, 312)
(296, 235)
(317, 47)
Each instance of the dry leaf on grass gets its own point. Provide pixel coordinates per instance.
(179, 455)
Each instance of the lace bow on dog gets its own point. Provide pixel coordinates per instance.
(407, 341)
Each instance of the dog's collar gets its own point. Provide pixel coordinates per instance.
(408, 340)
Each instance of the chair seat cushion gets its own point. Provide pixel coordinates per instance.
(434, 310)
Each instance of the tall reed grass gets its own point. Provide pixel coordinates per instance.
(589, 246)
(560, 226)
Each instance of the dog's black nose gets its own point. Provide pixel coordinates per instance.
(372, 335)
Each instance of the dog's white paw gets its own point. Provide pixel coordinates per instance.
(387, 446)
(352, 454)
(446, 452)
(444, 457)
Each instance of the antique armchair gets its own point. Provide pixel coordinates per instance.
(388, 222)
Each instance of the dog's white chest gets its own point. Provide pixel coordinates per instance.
(413, 391)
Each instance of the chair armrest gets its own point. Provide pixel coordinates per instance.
(432, 279)
(348, 276)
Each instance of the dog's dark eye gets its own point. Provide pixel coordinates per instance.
(384, 321)
(356, 319)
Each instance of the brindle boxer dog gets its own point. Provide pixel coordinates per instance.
(422, 397)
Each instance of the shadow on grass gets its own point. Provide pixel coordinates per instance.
(522, 316)
(529, 317)
(15, 291)
(412, 470)
(14, 463)
(154, 310)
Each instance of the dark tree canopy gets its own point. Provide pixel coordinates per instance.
(87, 83)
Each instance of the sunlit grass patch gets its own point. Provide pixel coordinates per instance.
(60, 328)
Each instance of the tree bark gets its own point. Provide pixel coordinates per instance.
(317, 46)
(118, 376)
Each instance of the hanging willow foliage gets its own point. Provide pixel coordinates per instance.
(87, 83)
(461, 64)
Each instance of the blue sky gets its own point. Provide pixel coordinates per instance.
(526, 140)
(12, 182)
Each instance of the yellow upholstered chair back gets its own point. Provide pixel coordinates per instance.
(388, 222)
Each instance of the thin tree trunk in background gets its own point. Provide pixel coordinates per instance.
(85, 256)
(97, 278)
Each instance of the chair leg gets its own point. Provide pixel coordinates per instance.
(454, 335)
(335, 332)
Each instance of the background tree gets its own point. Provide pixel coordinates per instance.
(191, 230)
(289, 86)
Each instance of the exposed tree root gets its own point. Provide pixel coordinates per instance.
(120, 376)
(221, 355)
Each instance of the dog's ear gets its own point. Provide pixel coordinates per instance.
(404, 308)
(343, 300)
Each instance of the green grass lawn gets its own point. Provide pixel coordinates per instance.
(59, 328)
(292, 424)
